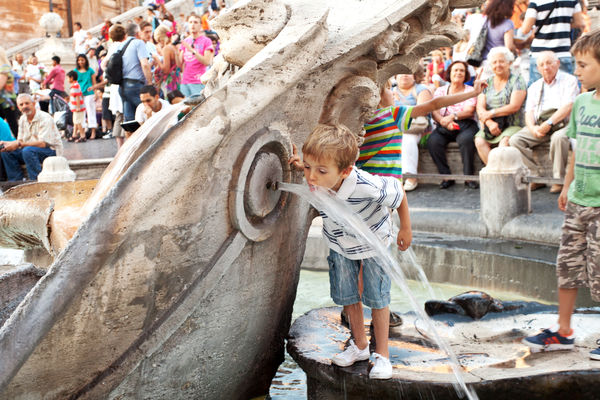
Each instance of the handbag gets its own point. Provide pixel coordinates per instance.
(502, 122)
(475, 52)
(543, 115)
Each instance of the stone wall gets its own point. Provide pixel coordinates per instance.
(20, 20)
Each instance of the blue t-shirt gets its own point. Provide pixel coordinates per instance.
(5, 133)
(85, 81)
(136, 51)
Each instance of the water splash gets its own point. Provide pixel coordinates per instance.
(326, 201)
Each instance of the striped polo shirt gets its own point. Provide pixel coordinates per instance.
(381, 152)
(371, 197)
(555, 35)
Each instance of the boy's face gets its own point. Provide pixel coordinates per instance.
(324, 173)
(587, 70)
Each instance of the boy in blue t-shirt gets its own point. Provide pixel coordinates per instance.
(578, 262)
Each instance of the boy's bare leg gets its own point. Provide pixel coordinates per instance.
(357, 324)
(566, 304)
(381, 326)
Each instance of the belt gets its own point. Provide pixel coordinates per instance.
(127, 80)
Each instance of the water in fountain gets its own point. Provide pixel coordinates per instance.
(326, 201)
(69, 218)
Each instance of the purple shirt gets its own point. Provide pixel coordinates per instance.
(495, 36)
(57, 78)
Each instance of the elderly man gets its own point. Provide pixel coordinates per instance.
(549, 103)
(151, 104)
(38, 139)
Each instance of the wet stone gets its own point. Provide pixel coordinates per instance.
(494, 361)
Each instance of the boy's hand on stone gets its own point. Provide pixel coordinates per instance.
(295, 161)
(404, 238)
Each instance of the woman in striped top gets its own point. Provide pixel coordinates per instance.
(381, 152)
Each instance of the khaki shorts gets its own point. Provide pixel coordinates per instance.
(78, 117)
(117, 129)
(578, 262)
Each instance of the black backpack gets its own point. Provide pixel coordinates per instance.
(114, 67)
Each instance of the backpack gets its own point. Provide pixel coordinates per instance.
(114, 67)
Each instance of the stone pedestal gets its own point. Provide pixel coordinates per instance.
(56, 169)
(53, 46)
(504, 194)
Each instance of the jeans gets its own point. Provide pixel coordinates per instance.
(191, 89)
(31, 156)
(130, 94)
(566, 65)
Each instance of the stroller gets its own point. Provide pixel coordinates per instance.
(63, 117)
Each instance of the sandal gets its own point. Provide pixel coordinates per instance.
(80, 140)
(71, 139)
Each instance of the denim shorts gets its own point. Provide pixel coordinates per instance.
(343, 281)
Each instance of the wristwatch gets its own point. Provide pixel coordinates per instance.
(455, 116)
(549, 122)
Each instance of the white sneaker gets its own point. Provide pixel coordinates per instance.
(382, 368)
(410, 185)
(351, 355)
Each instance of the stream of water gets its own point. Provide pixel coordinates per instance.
(336, 209)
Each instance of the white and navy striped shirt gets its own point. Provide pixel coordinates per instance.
(372, 197)
(555, 35)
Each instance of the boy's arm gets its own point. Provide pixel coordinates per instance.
(405, 233)
(570, 175)
(444, 101)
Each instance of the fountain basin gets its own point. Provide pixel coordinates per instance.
(495, 363)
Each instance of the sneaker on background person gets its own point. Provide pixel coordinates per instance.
(595, 354)
(550, 340)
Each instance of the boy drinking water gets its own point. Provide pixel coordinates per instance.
(329, 154)
(578, 261)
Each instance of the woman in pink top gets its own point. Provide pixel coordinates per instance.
(197, 53)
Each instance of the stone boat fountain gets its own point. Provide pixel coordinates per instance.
(174, 275)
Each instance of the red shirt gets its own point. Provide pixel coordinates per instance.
(57, 78)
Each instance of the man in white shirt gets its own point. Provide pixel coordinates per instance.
(555, 91)
(150, 105)
(79, 37)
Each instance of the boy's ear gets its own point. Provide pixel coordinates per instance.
(346, 172)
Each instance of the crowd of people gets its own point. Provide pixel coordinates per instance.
(163, 59)
(524, 56)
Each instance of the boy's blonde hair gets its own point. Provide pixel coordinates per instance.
(332, 142)
(588, 43)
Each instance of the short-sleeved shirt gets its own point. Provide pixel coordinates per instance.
(411, 98)
(371, 197)
(555, 35)
(136, 51)
(194, 69)
(41, 127)
(495, 99)
(140, 115)
(564, 89)
(5, 132)
(76, 102)
(458, 107)
(381, 152)
(584, 126)
(495, 35)
(85, 81)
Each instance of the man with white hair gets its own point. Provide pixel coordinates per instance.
(38, 139)
(549, 103)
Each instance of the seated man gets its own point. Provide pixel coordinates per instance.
(549, 103)
(150, 105)
(38, 139)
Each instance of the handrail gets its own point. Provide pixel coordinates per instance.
(527, 179)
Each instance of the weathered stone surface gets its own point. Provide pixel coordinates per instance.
(494, 361)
